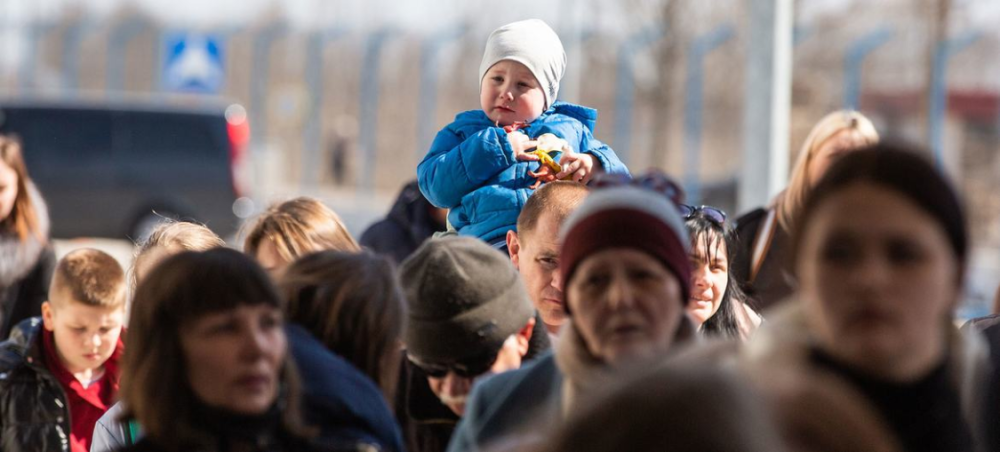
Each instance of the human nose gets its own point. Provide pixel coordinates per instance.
(506, 93)
(871, 273)
(557, 280)
(699, 277)
(93, 340)
(254, 343)
(455, 385)
(620, 293)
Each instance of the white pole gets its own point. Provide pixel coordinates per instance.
(767, 109)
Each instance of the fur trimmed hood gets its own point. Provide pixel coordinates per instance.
(17, 257)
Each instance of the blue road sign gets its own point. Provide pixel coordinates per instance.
(192, 62)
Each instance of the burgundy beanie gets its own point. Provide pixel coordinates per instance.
(626, 217)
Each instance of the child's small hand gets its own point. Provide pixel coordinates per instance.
(521, 144)
(579, 167)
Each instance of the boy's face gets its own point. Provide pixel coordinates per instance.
(85, 336)
(510, 93)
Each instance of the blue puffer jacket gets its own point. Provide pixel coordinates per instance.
(471, 170)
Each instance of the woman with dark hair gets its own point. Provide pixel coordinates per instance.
(211, 369)
(28, 258)
(353, 304)
(880, 250)
(716, 304)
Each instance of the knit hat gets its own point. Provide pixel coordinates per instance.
(627, 217)
(464, 298)
(532, 43)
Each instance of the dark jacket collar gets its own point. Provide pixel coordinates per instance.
(22, 344)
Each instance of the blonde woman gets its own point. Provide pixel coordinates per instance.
(761, 262)
(294, 228)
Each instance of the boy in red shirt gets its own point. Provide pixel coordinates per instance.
(59, 372)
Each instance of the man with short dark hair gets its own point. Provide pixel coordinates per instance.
(534, 248)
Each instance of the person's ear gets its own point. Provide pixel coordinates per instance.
(524, 337)
(513, 248)
(47, 318)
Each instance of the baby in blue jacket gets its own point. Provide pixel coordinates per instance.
(484, 173)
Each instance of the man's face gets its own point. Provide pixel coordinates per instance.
(535, 254)
(453, 389)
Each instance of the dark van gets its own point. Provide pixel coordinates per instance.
(115, 170)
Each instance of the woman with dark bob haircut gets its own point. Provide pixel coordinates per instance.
(208, 367)
(880, 253)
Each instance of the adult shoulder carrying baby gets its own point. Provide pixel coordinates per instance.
(483, 173)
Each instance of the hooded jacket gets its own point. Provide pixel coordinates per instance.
(25, 270)
(408, 224)
(471, 169)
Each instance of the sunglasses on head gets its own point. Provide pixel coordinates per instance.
(471, 367)
(714, 214)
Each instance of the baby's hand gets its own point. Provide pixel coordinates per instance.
(521, 144)
(576, 167)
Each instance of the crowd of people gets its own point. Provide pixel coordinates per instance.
(526, 293)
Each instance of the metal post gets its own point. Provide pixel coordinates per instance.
(427, 103)
(800, 34)
(626, 84)
(766, 113)
(569, 88)
(71, 45)
(939, 89)
(259, 79)
(120, 36)
(29, 71)
(312, 133)
(854, 58)
(693, 97)
(369, 106)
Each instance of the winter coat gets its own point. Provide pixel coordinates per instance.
(344, 403)
(514, 409)
(34, 414)
(774, 281)
(427, 424)
(25, 270)
(232, 432)
(510, 402)
(109, 433)
(989, 326)
(471, 170)
(785, 342)
(408, 224)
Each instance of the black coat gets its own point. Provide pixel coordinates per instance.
(408, 224)
(774, 280)
(25, 269)
(22, 298)
(34, 412)
(346, 405)
(427, 423)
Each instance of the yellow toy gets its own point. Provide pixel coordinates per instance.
(547, 143)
